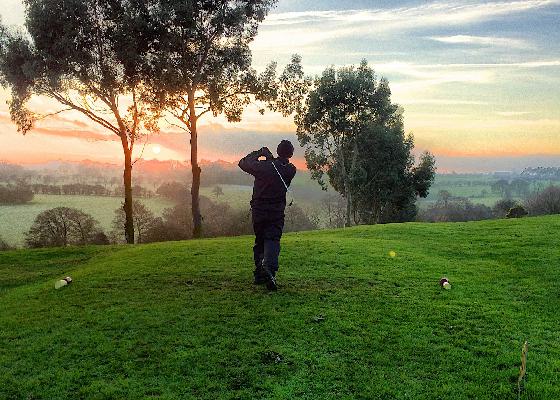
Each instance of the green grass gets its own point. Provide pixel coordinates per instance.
(182, 320)
(15, 220)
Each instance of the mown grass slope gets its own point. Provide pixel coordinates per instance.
(183, 321)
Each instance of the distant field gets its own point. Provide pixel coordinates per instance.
(17, 219)
(306, 192)
(237, 196)
(476, 187)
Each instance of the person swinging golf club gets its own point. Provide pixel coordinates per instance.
(272, 180)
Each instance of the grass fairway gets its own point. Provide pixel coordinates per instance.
(182, 320)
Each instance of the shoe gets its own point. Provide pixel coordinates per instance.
(271, 284)
(260, 276)
(270, 280)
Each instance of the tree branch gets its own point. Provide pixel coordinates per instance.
(99, 120)
(143, 148)
(43, 116)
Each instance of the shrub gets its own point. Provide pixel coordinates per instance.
(100, 238)
(62, 226)
(4, 246)
(18, 194)
(174, 191)
(298, 220)
(516, 212)
(502, 207)
(545, 202)
(144, 222)
(456, 211)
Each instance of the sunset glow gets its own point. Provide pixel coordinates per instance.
(475, 79)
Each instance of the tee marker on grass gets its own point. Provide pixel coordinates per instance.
(444, 283)
(63, 282)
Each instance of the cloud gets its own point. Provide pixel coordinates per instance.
(512, 113)
(419, 77)
(443, 102)
(493, 162)
(86, 135)
(482, 41)
(425, 15)
(310, 31)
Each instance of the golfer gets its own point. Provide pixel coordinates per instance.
(272, 179)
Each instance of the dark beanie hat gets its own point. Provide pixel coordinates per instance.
(285, 149)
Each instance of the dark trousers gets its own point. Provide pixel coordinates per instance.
(267, 226)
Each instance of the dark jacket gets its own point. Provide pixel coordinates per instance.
(269, 193)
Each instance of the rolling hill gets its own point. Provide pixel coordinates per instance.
(182, 320)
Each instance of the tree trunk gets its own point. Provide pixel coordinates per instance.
(353, 168)
(195, 189)
(129, 219)
(348, 206)
(347, 189)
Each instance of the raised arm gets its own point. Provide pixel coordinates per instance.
(251, 164)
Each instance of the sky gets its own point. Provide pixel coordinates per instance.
(479, 82)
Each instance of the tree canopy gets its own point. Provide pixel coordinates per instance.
(354, 134)
(82, 55)
(203, 65)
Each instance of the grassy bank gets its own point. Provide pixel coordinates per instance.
(182, 320)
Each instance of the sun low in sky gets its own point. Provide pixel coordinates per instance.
(479, 82)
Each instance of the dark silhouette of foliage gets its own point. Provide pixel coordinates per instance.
(517, 211)
(4, 246)
(174, 191)
(63, 226)
(457, 210)
(544, 202)
(203, 65)
(502, 207)
(15, 194)
(354, 135)
(92, 58)
(144, 221)
(298, 220)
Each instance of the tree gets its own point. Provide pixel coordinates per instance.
(19, 194)
(144, 221)
(63, 226)
(174, 191)
(217, 191)
(203, 65)
(4, 246)
(459, 209)
(82, 55)
(501, 187)
(354, 134)
(545, 202)
(298, 220)
(443, 197)
(334, 206)
(521, 187)
(385, 180)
